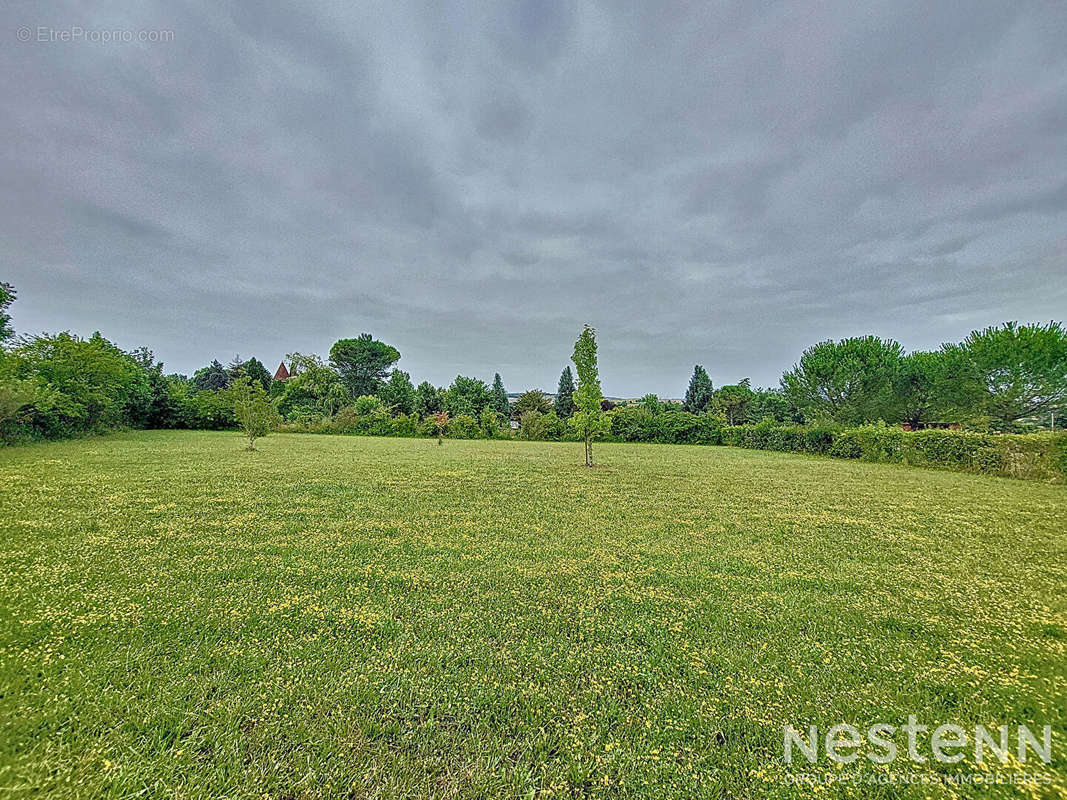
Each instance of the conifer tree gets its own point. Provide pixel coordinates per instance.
(698, 395)
(565, 394)
(500, 398)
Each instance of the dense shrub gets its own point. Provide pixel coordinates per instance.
(869, 443)
(492, 424)
(79, 385)
(405, 425)
(367, 404)
(671, 426)
(767, 435)
(1041, 456)
(462, 426)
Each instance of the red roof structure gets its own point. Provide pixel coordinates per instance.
(282, 373)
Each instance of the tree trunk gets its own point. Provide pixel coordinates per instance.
(588, 451)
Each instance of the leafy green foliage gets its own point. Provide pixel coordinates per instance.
(463, 426)
(564, 404)
(1034, 456)
(500, 403)
(770, 404)
(398, 394)
(850, 382)
(532, 400)
(467, 396)
(313, 390)
(492, 425)
(253, 410)
(666, 426)
(733, 401)
(699, 394)
(254, 370)
(362, 363)
(1012, 371)
(7, 297)
(428, 399)
(87, 384)
(923, 385)
(17, 397)
(589, 420)
(212, 377)
(367, 404)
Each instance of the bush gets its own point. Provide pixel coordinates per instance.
(367, 404)
(462, 426)
(492, 424)
(405, 425)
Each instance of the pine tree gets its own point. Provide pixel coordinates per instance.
(565, 394)
(698, 395)
(500, 398)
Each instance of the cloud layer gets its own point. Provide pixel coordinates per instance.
(720, 183)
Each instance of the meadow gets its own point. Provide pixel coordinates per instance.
(371, 617)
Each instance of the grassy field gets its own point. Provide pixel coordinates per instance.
(341, 616)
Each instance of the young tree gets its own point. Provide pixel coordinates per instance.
(362, 363)
(398, 393)
(533, 400)
(256, 415)
(589, 420)
(500, 398)
(698, 395)
(850, 381)
(440, 422)
(565, 394)
(7, 297)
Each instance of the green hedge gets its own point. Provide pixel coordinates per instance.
(638, 424)
(1035, 456)
(816, 440)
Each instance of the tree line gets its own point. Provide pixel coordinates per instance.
(1004, 378)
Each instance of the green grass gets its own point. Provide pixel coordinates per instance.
(390, 618)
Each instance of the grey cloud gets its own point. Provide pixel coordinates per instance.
(723, 183)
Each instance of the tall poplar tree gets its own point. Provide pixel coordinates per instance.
(589, 420)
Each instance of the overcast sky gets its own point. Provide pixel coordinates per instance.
(722, 183)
